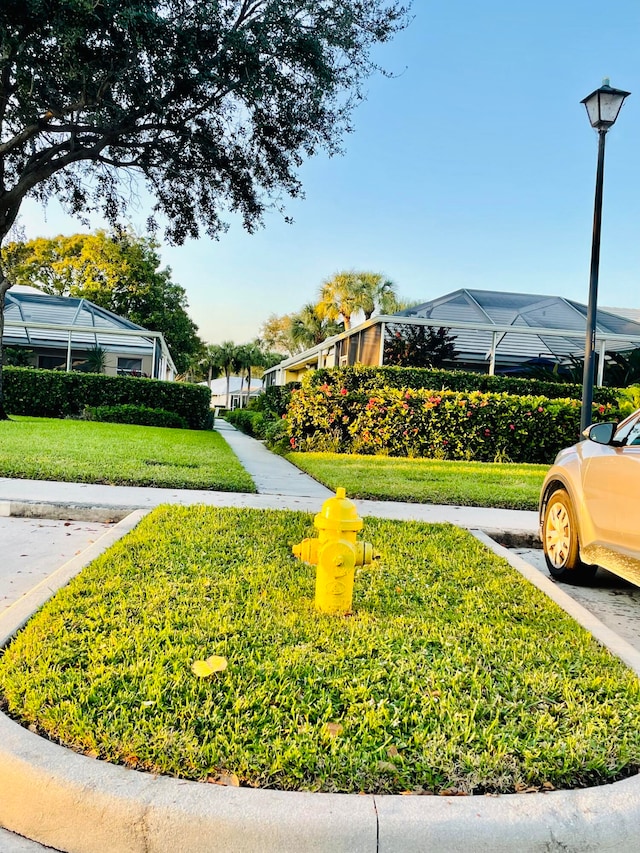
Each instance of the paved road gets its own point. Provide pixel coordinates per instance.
(614, 601)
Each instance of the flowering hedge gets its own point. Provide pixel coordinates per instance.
(436, 424)
(363, 378)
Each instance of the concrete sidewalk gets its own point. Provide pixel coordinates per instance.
(280, 485)
(71, 802)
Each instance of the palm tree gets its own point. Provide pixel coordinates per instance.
(384, 293)
(309, 328)
(348, 292)
(209, 363)
(223, 357)
(248, 356)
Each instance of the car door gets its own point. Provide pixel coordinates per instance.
(611, 487)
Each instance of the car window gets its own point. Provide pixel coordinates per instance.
(630, 433)
(634, 434)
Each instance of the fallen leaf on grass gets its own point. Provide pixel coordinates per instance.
(205, 668)
(522, 788)
(333, 729)
(228, 779)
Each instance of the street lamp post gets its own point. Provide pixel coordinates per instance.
(603, 107)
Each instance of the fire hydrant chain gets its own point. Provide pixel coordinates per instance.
(336, 553)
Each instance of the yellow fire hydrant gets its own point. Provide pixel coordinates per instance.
(336, 553)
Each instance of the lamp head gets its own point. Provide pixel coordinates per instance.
(603, 105)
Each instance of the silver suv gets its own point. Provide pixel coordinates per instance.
(590, 504)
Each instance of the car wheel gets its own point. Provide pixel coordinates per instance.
(560, 540)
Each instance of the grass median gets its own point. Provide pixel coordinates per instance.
(452, 674)
(387, 478)
(119, 454)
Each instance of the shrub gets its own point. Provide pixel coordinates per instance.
(130, 414)
(367, 379)
(435, 424)
(250, 422)
(629, 399)
(274, 400)
(259, 425)
(277, 436)
(53, 394)
(17, 357)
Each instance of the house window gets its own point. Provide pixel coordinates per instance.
(52, 362)
(130, 367)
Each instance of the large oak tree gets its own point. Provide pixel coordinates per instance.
(213, 104)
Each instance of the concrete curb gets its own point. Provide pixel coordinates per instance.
(62, 511)
(81, 805)
(604, 635)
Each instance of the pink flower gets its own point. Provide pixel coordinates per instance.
(512, 426)
(292, 441)
(540, 409)
(343, 391)
(487, 432)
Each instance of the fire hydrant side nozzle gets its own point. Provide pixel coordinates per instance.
(336, 553)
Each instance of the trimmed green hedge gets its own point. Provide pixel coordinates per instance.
(435, 424)
(248, 421)
(372, 378)
(54, 394)
(140, 415)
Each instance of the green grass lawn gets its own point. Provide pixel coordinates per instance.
(119, 454)
(389, 478)
(452, 673)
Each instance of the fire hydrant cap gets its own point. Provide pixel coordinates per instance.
(338, 513)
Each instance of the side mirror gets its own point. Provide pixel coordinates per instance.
(600, 433)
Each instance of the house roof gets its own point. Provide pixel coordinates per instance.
(45, 320)
(556, 327)
(629, 313)
(520, 310)
(236, 383)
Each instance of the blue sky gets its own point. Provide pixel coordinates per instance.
(473, 166)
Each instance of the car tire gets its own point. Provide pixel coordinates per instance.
(560, 540)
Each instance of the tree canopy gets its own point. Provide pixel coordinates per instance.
(211, 104)
(341, 297)
(118, 271)
(293, 333)
(346, 293)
